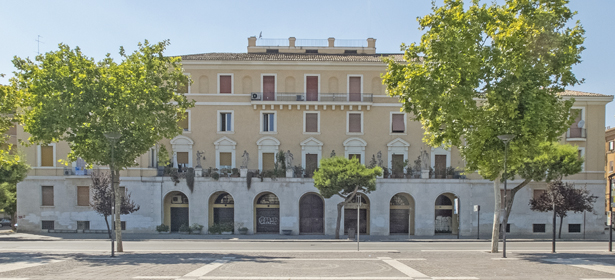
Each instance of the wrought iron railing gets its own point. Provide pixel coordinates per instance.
(321, 97)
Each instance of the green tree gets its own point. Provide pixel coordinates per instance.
(10, 100)
(12, 172)
(70, 97)
(489, 70)
(343, 177)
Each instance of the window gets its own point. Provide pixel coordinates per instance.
(508, 196)
(440, 166)
(123, 225)
(47, 195)
(153, 159)
(225, 120)
(611, 145)
(538, 228)
(611, 166)
(185, 122)
(398, 123)
(311, 123)
(538, 193)
(268, 87)
(48, 225)
(312, 87)
(225, 83)
(268, 161)
(576, 130)
(397, 164)
(311, 163)
(47, 155)
(507, 228)
(357, 156)
(226, 160)
(268, 121)
(182, 158)
(355, 122)
(355, 88)
(83, 225)
(83, 196)
(574, 227)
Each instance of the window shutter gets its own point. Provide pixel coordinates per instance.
(268, 87)
(47, 195)
(354, 122)
(311, 122)
(398, 123)
(223, 122)
(46, 155)
(225, 84)
(182, 157)
(83, 196)
(311, 88)
(268, 161)
(226, 159)
(354, 89)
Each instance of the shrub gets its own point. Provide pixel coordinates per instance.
(162, 228)
(185, 228)
(196, 227)
(215, 175)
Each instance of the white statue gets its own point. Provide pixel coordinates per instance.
(246, 159)
(289, 159)
(199, 155)
(425, 159)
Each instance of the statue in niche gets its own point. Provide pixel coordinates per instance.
(199, 155)
(379, 156)
(246, 159)
(289, 159)
(425, 159)
(332, 153)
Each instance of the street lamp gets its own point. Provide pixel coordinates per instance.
(505, 138)
(112, 137)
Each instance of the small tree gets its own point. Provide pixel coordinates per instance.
(12, 171)
(567, 198)
(103, 198)
(343, 177)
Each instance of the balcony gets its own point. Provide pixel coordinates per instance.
(576, 133)
(319, 97)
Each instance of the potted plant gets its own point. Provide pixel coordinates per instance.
(214, 229)
(162, 228)
(227, 228)
(185, 229)
(235, 172)
(215, 176)
(196, 228)
(450, 172)
(298, 171)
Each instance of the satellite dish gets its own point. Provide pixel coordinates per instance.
(581, 123)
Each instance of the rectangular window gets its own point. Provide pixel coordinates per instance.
(226, 121)
(611, 145)
(354, 88)
(47, 195)
(311, 88)
(182, 157)
(123, 225)
(48, 225)
(311, 122)
(268, 122)
(507, 228)
(538, 228)
(268, 87)
(575, 131)
(354, 123)
(83, 225)
(611, 166)
(311, 163)
(226, 84)
(226, 160)
(122, 191)
(440, 166)
(397, 123)
(47, 155)
(357, 156)
(538, 193)
(398, 166)
(508, 193)
(184, 123)
(83, 196)
(574, 227)
(268, 161)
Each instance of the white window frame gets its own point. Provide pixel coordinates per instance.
(355, 145)
(317, 124)
(225, 145)
(153, 157)
(348, 85)
(232, 82)
(348, 123)
(182, 144)
(397, 147)
(275, 85)
(275, 122)
(39, 159)
(305, 85)
(391, 123)
(267, 144)
(219, 120)
(582, 149)
(611, 145)
(440, 151)
(584, 126)
(311, 146)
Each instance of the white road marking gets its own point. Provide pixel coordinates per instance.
(4, 267)
(410, 272)
(153, 277)
(207, 251)
(576, 262)
(14, 278)
(205, 269)
(451, 278)
(412, 259)
(304, 278)
(505, 259)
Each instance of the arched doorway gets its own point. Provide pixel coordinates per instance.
(311, 214)
(176, 210)
(350, 215)
(221, 209)
(267, 213)
(401, 214)
(446, 221)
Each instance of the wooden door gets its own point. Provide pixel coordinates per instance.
(179, 217)
(311, 88)
(398, 166)
(311, 214)
(268, 220)
(311, 163)
(224, 215)
(350, 220)
(268, 87)
(399, 221)
(440, 166)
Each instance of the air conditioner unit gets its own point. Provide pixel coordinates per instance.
(256, 96)
(177, 199)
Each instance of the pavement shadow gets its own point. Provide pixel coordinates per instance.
(604, 257)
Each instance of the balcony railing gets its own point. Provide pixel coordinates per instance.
(576, 133)
(320, 97)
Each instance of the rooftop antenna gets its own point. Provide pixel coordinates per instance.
(38, 47)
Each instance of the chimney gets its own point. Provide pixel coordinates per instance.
(252, 41)
(331, 42)
(291, 42)
(371, 43)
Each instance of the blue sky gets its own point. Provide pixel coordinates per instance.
(100, 27)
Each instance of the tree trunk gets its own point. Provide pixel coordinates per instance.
(495, 234)
(339, 219)
(118, 208)
(561, 222)
(510, 199)
(108, 228)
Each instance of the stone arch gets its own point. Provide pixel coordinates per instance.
(355, 146)
(446, 218)
(311, 214)
(182, 144)
(246, 82)
(221, 208)
(350, 214)
(267, 145)
(176, 210)
(266, 213)
(203, 84)
(401, 214)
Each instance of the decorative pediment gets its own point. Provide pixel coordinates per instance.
(355, 142)
(181, 140)
(398, 142)
(225, 141)
(311, 142)
(268, 141)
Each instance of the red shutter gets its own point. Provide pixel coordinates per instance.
(354, 89)
(311, 122)
(398, 123)
(311, 88)
(268, 87)
(354, 122)
(225, 84)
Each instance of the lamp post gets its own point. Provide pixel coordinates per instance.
(505, 138)
(358, 219)
(113, 137)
